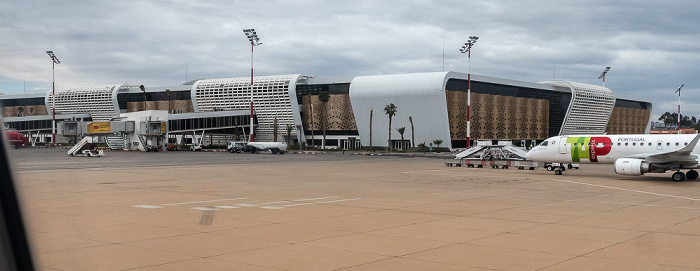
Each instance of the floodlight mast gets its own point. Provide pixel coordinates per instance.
(55, 61)
(466, 48)
(679, 107)
(254, 41)
(602, 75)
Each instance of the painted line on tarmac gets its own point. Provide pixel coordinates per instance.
(340, 200)
(226, 207)
(274, 202)
(204, 201)
(315, 198)
(246, 205)
(628, 190)
(266, 205)
(634, 204)
(205, 208)
(147, 206)
(299, 204)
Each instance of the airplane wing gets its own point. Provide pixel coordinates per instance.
(683, 156)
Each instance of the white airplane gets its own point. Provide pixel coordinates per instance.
(274, 147)
(632, 155)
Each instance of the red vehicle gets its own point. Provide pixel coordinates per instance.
(16, 139)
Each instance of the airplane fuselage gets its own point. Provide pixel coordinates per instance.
(605, 149)
(16, 139)
(631, 154)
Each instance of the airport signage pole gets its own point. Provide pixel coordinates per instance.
(602, 75)
(679, 107)
(466, 48)
(254, 41)
(53, 95)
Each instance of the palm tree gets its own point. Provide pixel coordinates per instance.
(371, 112)
(324, 97)
(390, 110)
(401, 130)
(437, 142)
(274, 130)
(413, 137)
(311, 117)
(289, 128)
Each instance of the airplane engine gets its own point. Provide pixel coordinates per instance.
(632, 167)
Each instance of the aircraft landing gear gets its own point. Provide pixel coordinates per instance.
(679, 176)
(559, 170)
(691, 175)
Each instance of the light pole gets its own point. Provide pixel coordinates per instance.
(254, 41)
(602, 75)
(53, 95)
(143, 89)
(467, 48)
(679, 107)
(167, 91)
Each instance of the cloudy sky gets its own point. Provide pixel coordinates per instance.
(652, 47)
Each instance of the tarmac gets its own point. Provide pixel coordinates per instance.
(221, 211)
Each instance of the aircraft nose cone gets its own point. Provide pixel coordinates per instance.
(528, 154)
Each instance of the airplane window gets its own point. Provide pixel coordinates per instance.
(650, 144)
(618, 143)
(634, 144)
(668, 143)
(626, 143)
(659, 143)
(544, 143)
(676, 143)
(686, 143)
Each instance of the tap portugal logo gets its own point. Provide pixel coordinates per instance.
(589, 148)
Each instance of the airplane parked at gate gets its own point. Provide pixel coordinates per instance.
(631, 155)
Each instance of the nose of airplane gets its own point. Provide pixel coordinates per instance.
(528, 155)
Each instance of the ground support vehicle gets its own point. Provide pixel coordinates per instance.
(505, 164)
(559, 168)
(152, 148)
(82, 148)
(531, 165)
(89, 153)
(454, 163)
(236, 146)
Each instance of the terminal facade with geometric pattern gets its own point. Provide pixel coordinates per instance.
(429, 106)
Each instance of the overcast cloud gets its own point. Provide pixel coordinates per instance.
(652, 46)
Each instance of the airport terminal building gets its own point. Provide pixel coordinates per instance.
(430, 106)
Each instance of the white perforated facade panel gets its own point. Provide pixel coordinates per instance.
(589, 110)
(99, 101)
(273, 96)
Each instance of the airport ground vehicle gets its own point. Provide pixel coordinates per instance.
(89, 153)
(82, 149)
(531, 165)
(553, 166)
(236, 146)
(153, 148)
